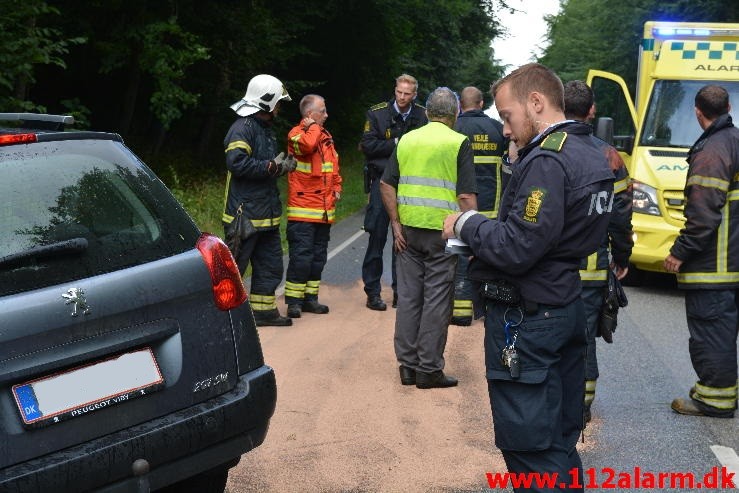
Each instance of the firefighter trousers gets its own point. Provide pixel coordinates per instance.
(713, 317)
(308, 251)
(593, 301)
(462, 289)
(263, 250)
(592, 298)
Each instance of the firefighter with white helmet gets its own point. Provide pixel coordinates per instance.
(252, 208)
(262, 94)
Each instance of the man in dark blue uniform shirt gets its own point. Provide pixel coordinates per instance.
(386, 123)
(554, 212)
(488, 144)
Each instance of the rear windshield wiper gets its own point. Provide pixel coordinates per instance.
(66, 247)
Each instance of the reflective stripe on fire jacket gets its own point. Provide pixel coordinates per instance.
(249, 146)
(708, 244)
(315, 182)
(488, 145)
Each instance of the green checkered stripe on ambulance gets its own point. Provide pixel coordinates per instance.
(716, 50)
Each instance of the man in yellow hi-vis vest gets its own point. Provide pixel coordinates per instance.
(430, 175)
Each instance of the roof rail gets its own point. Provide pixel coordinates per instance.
(39, 121)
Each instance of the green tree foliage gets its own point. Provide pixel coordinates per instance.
(144, 46)
(168, 52)
(605, 35)
(446, 43)
(27, 40)
(164, 73)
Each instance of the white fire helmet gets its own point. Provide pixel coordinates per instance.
(262, 93)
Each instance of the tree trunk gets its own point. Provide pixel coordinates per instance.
(131, 93)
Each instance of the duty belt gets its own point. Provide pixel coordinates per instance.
(505, 293)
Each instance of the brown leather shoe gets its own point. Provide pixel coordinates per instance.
(686, 406)
(434, 380)
(690, 408)
(407, 375)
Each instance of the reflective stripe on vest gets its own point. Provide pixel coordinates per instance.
(427, 190)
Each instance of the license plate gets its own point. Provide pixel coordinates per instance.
(88, 388)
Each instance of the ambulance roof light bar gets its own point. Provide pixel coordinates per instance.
(697, 32)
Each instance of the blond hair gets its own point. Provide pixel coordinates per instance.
(408, 79)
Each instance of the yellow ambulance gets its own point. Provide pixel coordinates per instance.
(654, 132)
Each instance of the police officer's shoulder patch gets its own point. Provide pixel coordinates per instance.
(554, 141)
(379, 106)
(533, 204)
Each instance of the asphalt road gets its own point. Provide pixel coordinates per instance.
(345, 424)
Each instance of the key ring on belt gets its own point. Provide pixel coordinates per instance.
(511, 341)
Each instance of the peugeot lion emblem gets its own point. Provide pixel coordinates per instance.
(76, 297)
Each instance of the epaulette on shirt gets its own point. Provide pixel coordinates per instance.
(420, 106)
(554, 141)
(379, 106)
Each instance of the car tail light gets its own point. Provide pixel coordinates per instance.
(17, 139)
(228, 288)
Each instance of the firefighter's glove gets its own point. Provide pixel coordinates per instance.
(281, 164)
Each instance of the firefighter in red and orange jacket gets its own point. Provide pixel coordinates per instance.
(313, 189)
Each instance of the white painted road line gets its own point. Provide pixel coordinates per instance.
(346, 243)
(728, 458)
(281, 288)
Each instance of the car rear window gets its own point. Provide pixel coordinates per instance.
(72, 209)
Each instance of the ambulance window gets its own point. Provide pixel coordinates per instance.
(670, 120)
(610, 102)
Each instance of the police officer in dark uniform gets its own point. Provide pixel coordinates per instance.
(386, 123)
(251, 190)
(615, 251)
(554, 212)
(705, 258)
(488, 146)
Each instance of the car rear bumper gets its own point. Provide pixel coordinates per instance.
(175, 446)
